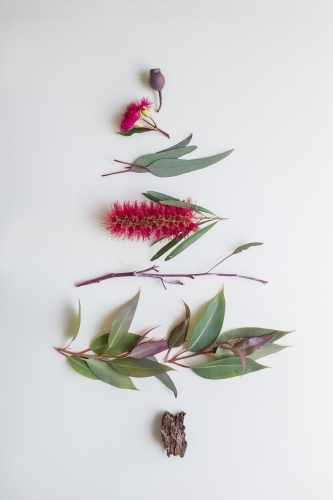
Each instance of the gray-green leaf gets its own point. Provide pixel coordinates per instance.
(249, 332)
(165, 379)
(181, 144)
(226, 368)
(109, 375)
(146, 160)
(178, 334)
(172, 167)
(189, 241)
(267, 351)
(157, 197)
(77, 323)
(136, 130)
(184, 204)
(139, 367)
(245, 247)
(122, 321)
(100, 345)
(209, 326)
(167, 247)
(81, 367)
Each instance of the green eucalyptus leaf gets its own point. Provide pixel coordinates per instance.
(81, 367)
(77, 323)
(167, 247)
(109, 375)
(136, 130)
(139, 367)
(189, 241)
(281, 334)
(100, 345)
(184, 204)
(157, 197)
(172, 167)
(146, 160)
(249, 333)
(267, 351)
(245, 247)
(122, 321)
(178, 334)
(226, 368)
(165, 379)
(181, 144)
(209, 326)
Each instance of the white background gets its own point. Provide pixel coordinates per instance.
(256, 76)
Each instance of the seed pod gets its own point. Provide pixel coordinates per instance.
(157, 82)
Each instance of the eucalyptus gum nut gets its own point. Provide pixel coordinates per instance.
(157, 82)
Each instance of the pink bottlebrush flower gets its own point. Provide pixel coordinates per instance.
(133, 113)
(147, 221)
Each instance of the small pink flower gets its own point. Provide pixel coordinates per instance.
(133, 113)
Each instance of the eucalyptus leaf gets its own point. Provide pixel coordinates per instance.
(280, 334)
(267, 351)
(165, 379)
(184, 204)
(226, 368)
(245, 247)
(249, 346)
(109, 375)
(150, 348)
(209, 326)
(146, 160)
(77, 323)
(178, 334)
(81, 367)
(248, 333)
(167, 247)
(100, 345)
(173, 167)
(189, 241)
(122, 321)
(136, 130)
(139, 367)
(181, 144)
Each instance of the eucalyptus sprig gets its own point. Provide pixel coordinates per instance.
(117, 356)
(166, 163)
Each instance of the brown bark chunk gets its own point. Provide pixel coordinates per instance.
(173, 433)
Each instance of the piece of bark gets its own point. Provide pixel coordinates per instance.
(173, 434)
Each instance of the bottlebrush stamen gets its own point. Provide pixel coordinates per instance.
(148, 221)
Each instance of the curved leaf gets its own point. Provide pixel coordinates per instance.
(136, 130)
(81, 367)
(250, 332)
(267, 351)
(109, 375)
(181, 144)
(189, 241)
(156, 196)
(100, 345)
(226, 368)
(167, 247)
(178, 334)
(165, 379)
(139, 367)
(249, 346)
(245, 247)
(184, 204)
(209, 326)
(146, 160)
(172, 167)
(147, 349)
(122, 321)
(77, 323)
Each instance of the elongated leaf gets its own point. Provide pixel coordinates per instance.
(267, 351)
(209, 326)
(167, 247)
(81, 367)
(178, 334)
(189, 241)
(249, 346)
(148, 159)
(122, 321)
(100, 345)
(280, 334)
(226, 368)
(77, 323)
(245, 247)
(250, 332)
(109, 375)
(184, 204)
(156, 196)
(181, 144)
(136, 130)
(165, 379)
(147, 349)
(223, 353)
(170, 168)
(139, 367)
